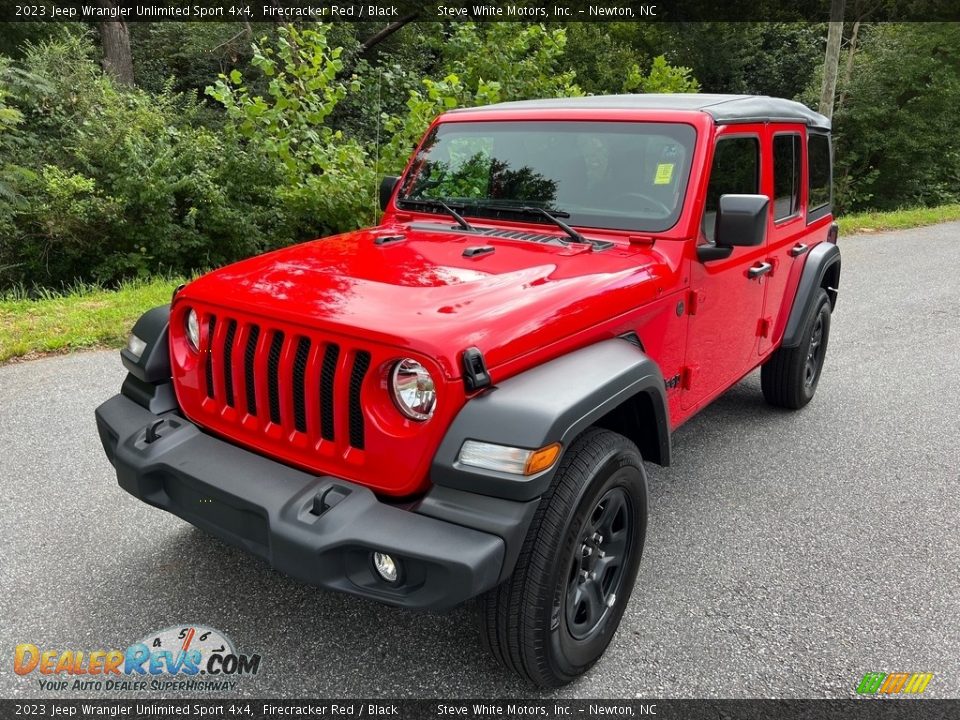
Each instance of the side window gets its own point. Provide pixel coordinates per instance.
(786, 175)
(818, 162)
(735, 171)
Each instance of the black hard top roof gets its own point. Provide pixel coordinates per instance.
(724, 109)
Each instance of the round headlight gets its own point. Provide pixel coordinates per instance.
(192, 324)
(413, 390)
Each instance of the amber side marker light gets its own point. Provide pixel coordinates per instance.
(542, 459)
(513, 460)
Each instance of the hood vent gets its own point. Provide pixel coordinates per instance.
(512, 235)
(521, 235)
(540, 238)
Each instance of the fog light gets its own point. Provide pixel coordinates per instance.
(386, 567)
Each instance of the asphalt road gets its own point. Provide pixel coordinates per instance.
(787, 553)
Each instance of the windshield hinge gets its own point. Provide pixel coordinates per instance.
(475, 373)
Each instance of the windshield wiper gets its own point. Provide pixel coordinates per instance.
(433, 202)
(551, 215)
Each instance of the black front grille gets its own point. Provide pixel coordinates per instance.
(329, 369)
(299, 384)
(273, 376)
(361, 363)
(228, 361)
(297, 375)
(211, 326)
(248, 357)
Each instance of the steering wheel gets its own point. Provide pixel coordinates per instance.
(651, 202)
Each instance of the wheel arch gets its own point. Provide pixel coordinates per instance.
(612, 384)
(821, 270)
(633, 419)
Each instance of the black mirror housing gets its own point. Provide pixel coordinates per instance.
(386, 190)
(741, 220)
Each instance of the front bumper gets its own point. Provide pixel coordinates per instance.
(320, 529)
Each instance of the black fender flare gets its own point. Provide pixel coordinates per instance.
(822, 265)
(148, 381)
(554, 402)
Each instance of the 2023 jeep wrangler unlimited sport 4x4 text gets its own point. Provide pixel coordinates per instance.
(458, 402)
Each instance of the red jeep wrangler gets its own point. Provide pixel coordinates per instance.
(458, 402)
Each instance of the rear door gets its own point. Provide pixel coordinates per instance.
(796, 219)
(787, 225)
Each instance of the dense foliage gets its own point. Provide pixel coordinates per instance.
(897, 138)
(239, 138)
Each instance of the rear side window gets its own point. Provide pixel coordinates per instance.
(787, 151)
(735, 171)
(818, 162)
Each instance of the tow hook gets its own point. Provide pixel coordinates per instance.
(152, 435)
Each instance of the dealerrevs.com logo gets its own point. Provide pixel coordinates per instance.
(191, 658)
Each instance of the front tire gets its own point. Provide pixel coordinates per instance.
(555, 616)
(789, 378)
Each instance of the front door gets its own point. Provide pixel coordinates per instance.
(726, 303)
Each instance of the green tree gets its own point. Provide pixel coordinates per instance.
(896, 143)
(111, 182)
(482, 64)
(329, 178)
(661, 78)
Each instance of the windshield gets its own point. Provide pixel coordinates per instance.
(617, 175)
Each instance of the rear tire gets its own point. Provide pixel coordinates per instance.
(789, 378)
(555, 616)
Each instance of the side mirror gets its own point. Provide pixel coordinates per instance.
(387, 186)
(741, 221)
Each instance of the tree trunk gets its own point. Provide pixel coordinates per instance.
(389, 30)
(115, 38)
(831, 63)
(848, 69)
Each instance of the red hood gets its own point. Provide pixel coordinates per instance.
(423, 294)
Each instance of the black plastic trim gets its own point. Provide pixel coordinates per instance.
(270, 509)
(507, 519)
(158, 398)
(818, 262)
(553, 402)
(711, 251)
(153, 365)
(741, 221)
(385, 192)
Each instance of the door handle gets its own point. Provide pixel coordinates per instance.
(798, 250)
(759, 269)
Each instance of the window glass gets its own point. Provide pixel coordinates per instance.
(735, 171)
(629, 175)
(818, 161)
(786, 176)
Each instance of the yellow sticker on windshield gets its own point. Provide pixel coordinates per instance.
(664, 174)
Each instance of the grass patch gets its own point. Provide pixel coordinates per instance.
(897, 219)
(84, 317)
